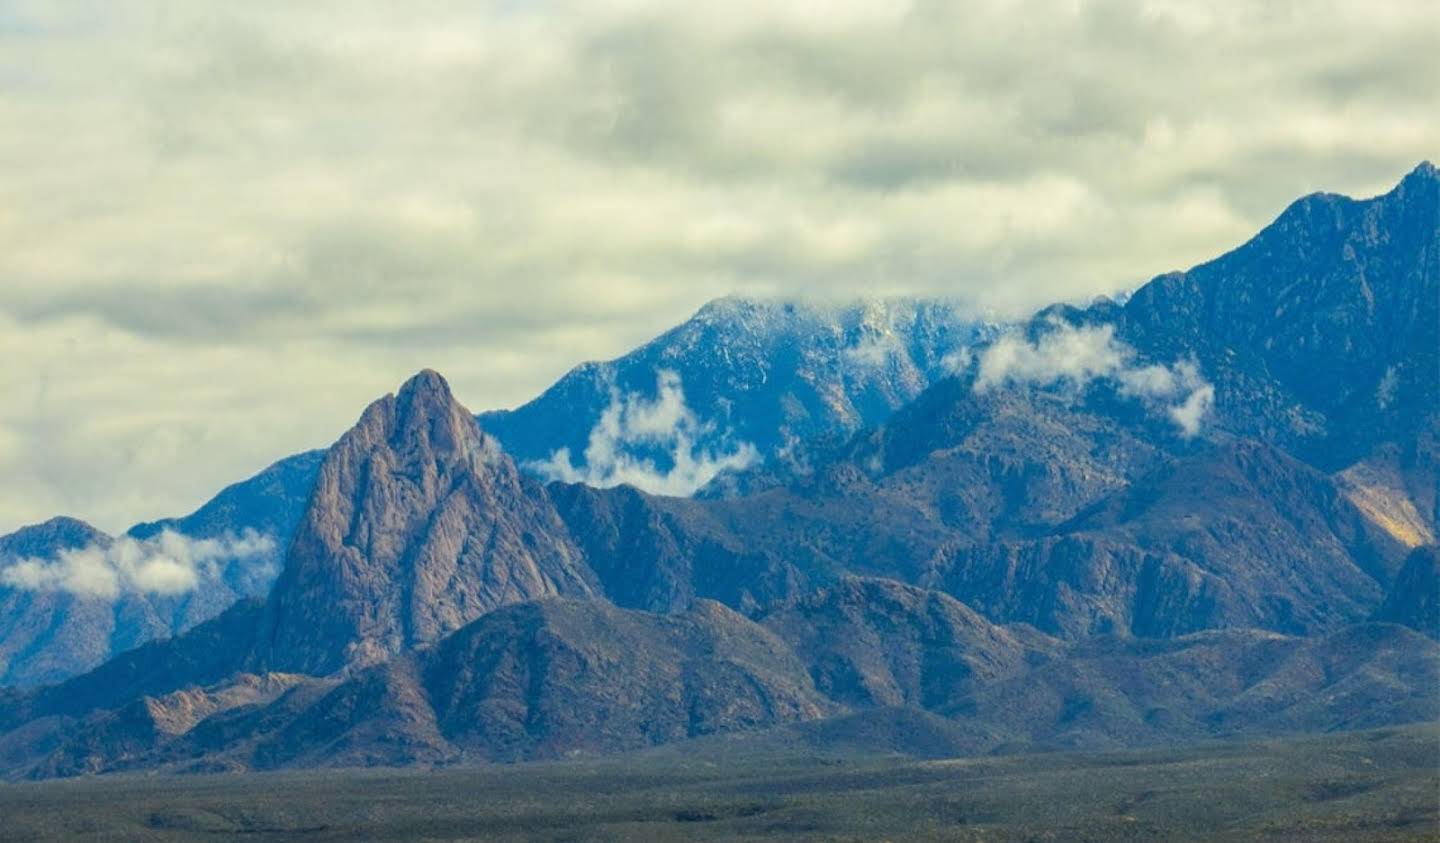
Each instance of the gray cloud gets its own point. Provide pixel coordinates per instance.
(224, 229)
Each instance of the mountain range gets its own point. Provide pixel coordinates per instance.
(1206, 510)
(738, 385)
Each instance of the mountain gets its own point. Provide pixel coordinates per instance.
(1322, 333)
(1318, 337)
(875, 643)
(1239, 535)
(560, 678)
(740, 382)
(780, 374)
(1088, 532)
(1066, 491)
(418, 525)
(50, 634)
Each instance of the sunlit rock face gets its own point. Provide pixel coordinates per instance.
(418, 524)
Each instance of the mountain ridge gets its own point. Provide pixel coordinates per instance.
(1053, 544)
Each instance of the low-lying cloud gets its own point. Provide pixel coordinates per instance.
(1079, 355)
(1193, 410)
(168, 564)
(632, 425)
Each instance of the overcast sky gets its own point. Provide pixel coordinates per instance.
(224, 228)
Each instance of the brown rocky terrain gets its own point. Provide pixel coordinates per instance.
(418, 525)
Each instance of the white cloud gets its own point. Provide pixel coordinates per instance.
(872, 352)
(1078, 355)
(1065, 353)
(1190, 412)
(958, 361)
(632, 425)
(167, 564)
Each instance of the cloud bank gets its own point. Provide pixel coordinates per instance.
(1079, 355)
(225, 227)
(632, 425)
(165, 565)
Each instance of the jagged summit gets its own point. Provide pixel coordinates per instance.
(427, 413)
(425, 386)
(417, 526)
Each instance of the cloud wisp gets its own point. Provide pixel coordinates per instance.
(168, 564)
(1079, 355)
(623, 444)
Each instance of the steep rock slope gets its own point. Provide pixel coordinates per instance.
(1322, 333)
(418, 525)
(662, 554)
(1237, 535)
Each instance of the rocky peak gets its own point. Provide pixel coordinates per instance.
(50, 537)
(418, 525)
(430, 420)
(1320, 332)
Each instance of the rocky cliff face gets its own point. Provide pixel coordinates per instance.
(418, 524)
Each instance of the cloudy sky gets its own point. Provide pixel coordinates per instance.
(225, 227)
